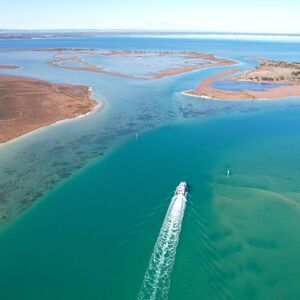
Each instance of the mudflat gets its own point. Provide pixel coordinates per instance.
(187, 61)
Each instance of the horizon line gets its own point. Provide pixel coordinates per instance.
(147, 31)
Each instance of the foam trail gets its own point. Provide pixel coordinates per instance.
(157, 276)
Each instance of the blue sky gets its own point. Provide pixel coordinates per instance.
(281, 16)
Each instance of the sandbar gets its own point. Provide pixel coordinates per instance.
(212, 61)
(9, 67)
(82, 66)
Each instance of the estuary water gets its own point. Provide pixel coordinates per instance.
(99, 195)
(244, 86)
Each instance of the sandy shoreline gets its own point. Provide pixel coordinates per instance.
(97, 108)
(28, 104)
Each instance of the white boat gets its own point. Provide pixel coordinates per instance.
(182, 189)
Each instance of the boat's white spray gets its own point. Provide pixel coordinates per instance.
(156, 282)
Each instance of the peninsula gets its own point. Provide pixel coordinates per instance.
(27, 104)
(269, 80)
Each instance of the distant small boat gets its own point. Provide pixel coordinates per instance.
(228, 173)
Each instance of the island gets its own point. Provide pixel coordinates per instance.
(269, 80)
(27, 104)
(150, 65)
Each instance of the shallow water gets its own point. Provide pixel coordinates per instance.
(90, 236)
(229, 85)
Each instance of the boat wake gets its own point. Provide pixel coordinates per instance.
(156, 282)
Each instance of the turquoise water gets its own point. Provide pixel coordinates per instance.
(92, 237)
(103, 194)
